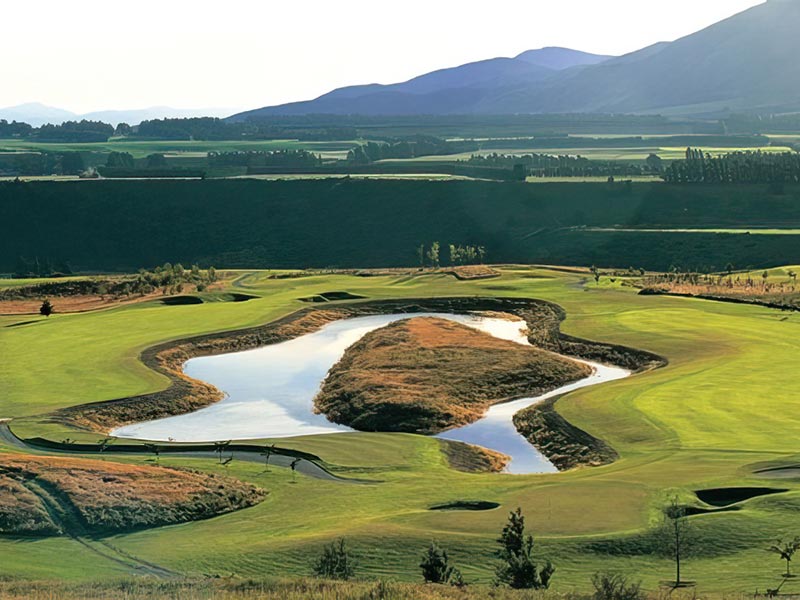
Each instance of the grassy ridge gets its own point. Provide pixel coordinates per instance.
(721, 408)
(124, 225)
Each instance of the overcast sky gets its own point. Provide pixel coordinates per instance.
(87, 55)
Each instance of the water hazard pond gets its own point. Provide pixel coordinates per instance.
(269, 392)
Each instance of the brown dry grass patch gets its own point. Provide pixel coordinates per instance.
(51, 495)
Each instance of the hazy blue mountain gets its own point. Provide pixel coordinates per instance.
(35, 114)
(558, 59)
(748, 61)
(451, 90)
(38, 114)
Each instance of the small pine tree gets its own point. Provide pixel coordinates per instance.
(435, 565)
(46, 309)
(335, 562)
(518, 569)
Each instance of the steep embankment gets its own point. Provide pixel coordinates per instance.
(426, 375)
(52, 496)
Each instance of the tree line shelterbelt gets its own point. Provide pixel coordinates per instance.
(735, 167)
(368, 150)
(119, 225)
(349, 127)
(196, 128)
(548, 165)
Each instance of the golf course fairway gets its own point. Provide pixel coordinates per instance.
(723, 409)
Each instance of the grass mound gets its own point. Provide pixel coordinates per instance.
(425, 375)
(565, 445)
(473, 459)
(52, 496)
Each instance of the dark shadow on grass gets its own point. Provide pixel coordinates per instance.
(729, 496)
(475, 505)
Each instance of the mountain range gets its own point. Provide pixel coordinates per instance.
(747, 62)
(38, 114)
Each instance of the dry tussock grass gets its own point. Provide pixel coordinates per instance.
(72, 495)
(425, 375)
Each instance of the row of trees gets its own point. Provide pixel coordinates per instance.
(42, 163)
(547, 165)
(458, 255)
(735, 167)
(276, 158)
(32, 268)
(193, 128)
(209, 128)
(421, 145)
(517, 567)
(68, 131)
(69, 162)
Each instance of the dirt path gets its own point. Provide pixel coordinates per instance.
(69, 519)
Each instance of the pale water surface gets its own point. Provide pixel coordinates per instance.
(269, 392)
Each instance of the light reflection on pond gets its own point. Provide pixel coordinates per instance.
(270, 392)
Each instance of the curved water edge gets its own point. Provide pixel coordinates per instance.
(497, 425)
(269, 392)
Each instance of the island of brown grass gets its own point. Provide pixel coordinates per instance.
(54, 496)
(426, 375)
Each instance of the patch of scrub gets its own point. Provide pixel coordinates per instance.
(44, 495)
(475, 505)
(734, 495)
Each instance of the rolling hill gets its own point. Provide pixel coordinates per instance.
(745, 62)
(446, 91)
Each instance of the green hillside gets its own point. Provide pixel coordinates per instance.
(124, 225)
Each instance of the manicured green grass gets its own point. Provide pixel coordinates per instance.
(10, 283)
(725, 403)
